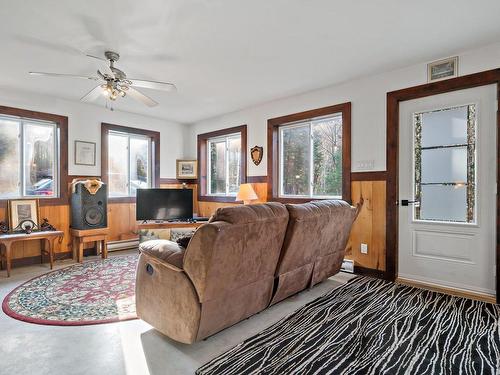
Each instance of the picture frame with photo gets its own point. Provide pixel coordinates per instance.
(187, 169)
(85, 153)
(22, 211)
(442, 69)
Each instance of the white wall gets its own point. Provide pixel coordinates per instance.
(84, 123)
(368, 97)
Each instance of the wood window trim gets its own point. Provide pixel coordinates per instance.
(155, 143)
(202, 162)
(62, 126)
(273, 126)
(393, 99)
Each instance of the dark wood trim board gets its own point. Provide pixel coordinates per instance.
(273, 145)
(62, 127)
(202, 161)
(155, 144)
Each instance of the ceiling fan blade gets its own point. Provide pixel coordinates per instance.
(104, 66)
(92, 94)
(63, 75)
(154, 85)
(96, 57)
(137, 95)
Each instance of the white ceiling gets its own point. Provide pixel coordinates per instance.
(225, 55)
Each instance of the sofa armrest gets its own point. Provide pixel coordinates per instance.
(166, 299)
(165, 251)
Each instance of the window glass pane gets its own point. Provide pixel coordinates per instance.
(39, 170)
(234, 156)
(139, 166)
(9, 158)
(443, 202)
(117, 165)
(444, 128)
(444, 165)
(445, 171)
(217, 164)
(327, 157)
(295, 161)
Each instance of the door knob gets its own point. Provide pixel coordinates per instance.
(406, 202)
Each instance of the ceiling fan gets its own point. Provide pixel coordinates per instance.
(114, 83)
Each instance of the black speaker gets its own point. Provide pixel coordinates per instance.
(89, 211)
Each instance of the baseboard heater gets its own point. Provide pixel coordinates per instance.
(123, 245)
(347, 266)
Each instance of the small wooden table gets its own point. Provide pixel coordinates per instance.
(80, 237)
(7, 240)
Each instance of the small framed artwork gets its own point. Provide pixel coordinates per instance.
(22, 213)
(187, 169)
(85, 153)
(442, 69)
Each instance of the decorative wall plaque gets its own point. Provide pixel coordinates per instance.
(256, 153)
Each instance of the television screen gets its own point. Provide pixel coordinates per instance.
(164, 204)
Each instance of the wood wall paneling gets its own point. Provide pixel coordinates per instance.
(369, 227)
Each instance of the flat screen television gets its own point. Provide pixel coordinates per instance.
(164, 204)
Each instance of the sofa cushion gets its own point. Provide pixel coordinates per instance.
(164, 250)
(249, 213)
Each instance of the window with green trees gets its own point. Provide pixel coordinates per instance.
(29, 158)
(311, 158)
(129, 163)
(224, 160)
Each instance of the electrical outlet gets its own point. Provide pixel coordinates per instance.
(364, 248)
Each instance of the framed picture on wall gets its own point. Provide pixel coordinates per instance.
(442, 69)
(85, 153)
(187, 169)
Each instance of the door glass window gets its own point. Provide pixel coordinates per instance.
(444, 164)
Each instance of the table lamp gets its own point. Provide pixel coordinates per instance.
(246, 194)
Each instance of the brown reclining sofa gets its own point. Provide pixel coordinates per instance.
(244, 259)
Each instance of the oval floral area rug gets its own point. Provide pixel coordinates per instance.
(94, 292)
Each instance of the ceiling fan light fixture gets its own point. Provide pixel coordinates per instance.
(114, 83)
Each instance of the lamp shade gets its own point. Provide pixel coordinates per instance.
(246, 193)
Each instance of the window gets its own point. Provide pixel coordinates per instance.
(30, 149)
(444, 164)
(130, 160)
(310, 155)
(222, 167)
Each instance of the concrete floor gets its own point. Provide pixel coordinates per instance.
(131, 347)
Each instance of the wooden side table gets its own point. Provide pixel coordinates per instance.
(7, 240)
(80, 237)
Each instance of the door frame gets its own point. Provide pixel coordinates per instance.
(484, 78)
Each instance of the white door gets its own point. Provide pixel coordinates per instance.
(447, 166)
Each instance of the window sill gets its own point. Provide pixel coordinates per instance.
(57, 201)
(218, 198)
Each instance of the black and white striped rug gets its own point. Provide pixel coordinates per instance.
(371, 326)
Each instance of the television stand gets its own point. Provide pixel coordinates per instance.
(169, 224)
